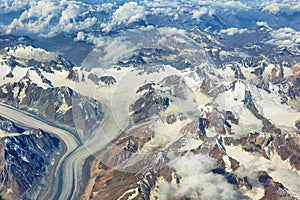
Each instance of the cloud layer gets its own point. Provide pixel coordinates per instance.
(285, 37)
(48, 18)
(234, 30)
(286, 6)
(125, 14)
(197, 180)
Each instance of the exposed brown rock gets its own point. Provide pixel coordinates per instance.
(276, 75)
(108, 183)
(171, 119)
(297, 124)
(273, 189)
(234, 164)
(288, 147)
(252, 143)
(295, 161)
(232, 141)
(206, 86)
(217, 154)
(230, 116)
(294, 90)
(111, 184)
(166, 172)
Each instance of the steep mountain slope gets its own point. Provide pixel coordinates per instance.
(149, 99)
(28, 158)
(239, 111)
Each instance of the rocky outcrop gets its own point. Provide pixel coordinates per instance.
(148, 105)
(57, 105)
(27, 160)
(273, 189)
(27, 56)
(287, 147)
(107, 80)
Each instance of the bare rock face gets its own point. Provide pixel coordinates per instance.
(73, 75)
(273, 189)
(53, 104)
(297, 124)
(152, 99)
(109, 80)
(294, 90)
(222, 122)
(288, 148)
(230, 117)
(171, 119)
(148, 105)
(27, 161)
(145, 183)
(254, 144)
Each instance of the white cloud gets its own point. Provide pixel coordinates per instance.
(285, 37)
(49, 18)
(80, 36)
(197, 180)
(171, 31)
(285, 6)
(104, 7)
(163, 7)
(127, 42)
(224, 4)
(36, 19)
(125, 14)
(69, 14)
(7, 6)
(109, 49)
(234, 30)
(97, 41)
(235, 4)
(198, 13)
(161, 10)
(264, 26)
(262, 23)
(117, 47)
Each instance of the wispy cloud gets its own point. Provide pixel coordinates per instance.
(197, 180)
(48, 18)
(285, 6)
(125, 14)
(234, 30)
(287, 37)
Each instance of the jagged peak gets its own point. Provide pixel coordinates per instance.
(29, 56)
